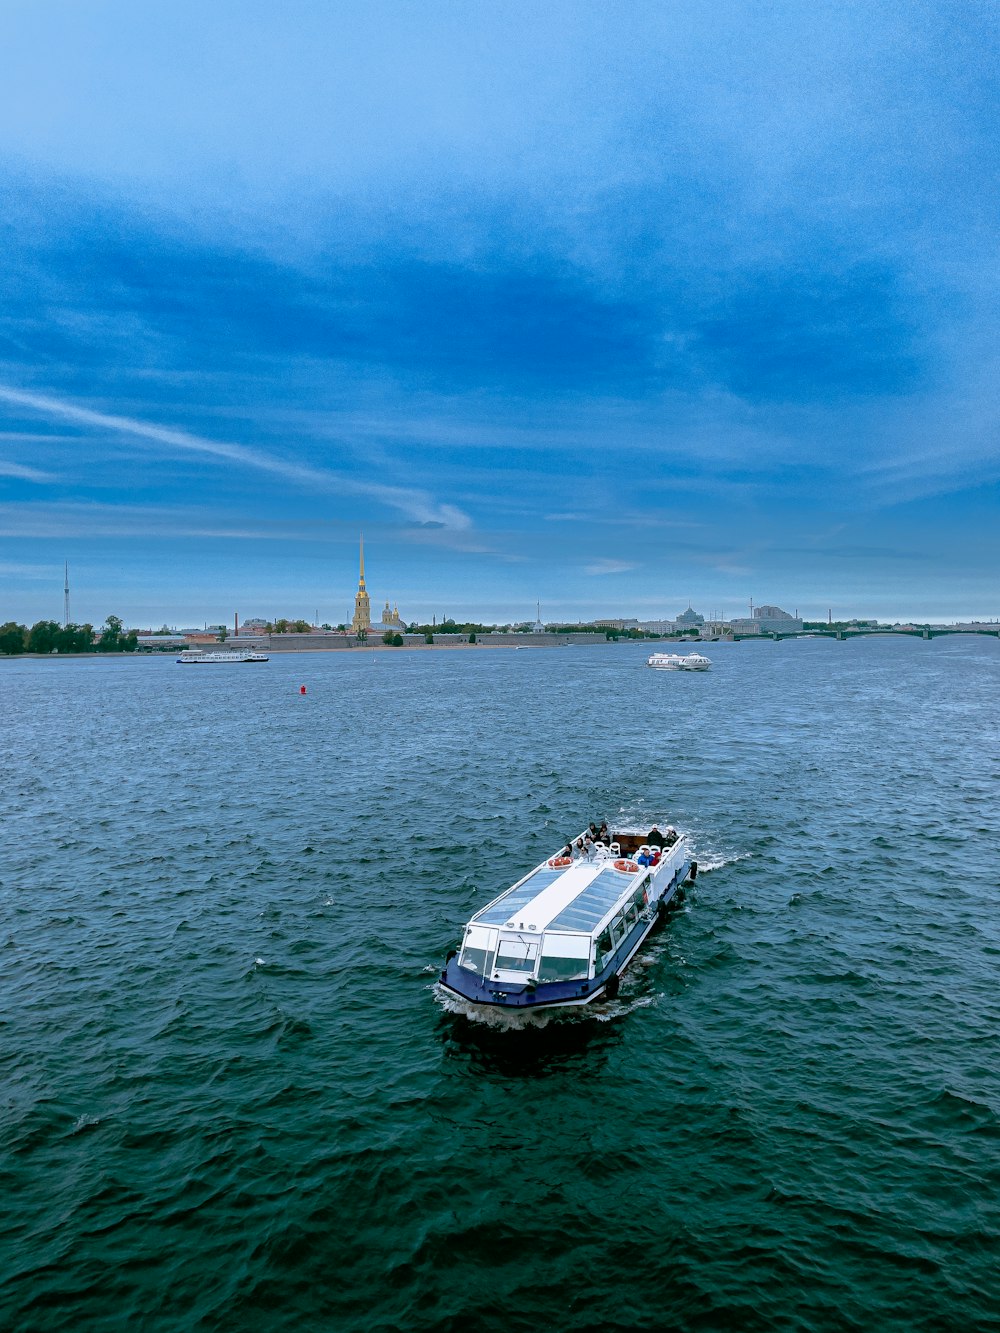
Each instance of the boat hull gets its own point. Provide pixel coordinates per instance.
(220, 661)
(678, 662)
(482, 992)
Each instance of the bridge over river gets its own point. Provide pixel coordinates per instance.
(918, 632)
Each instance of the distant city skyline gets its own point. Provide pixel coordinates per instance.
(182, 612)
(610, 309)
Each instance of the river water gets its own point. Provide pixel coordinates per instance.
(232, 1096)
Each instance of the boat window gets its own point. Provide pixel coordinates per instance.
(601, 950)
(553, 968)
(479, 961)
(564, 958)
(589, 907)
(616, 928)
(505, 908)
(516, 954)
(639, 897)
(631, 917)
(478, 950)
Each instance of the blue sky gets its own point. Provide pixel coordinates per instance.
(608, 305)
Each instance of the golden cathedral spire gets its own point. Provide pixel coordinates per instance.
(362, 620)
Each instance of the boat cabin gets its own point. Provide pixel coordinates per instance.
(564, 920)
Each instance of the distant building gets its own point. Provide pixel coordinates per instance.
(390, 619)
(688, 618)
(767, 620)
(361, 621)
(615, 624)
(658, 626)
(161, 641)
(775, 621)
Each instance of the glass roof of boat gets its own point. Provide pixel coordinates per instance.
(503, 909)
(596, 900)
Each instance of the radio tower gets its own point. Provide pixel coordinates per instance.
(66, 598)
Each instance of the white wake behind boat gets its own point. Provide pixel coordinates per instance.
(199, 657)
(678, 662)
(563, 934)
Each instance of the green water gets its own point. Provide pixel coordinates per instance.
(233, 1098)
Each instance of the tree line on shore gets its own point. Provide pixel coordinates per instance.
(283, 626)
(48, 636)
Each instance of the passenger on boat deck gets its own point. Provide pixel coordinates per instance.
(567, 850)
(579, 852)
(603, 835)
(594, 834)
(645, 857)
(655, 838)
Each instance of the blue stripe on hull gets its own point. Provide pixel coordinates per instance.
(549, 994)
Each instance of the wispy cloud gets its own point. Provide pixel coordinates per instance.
(415, 504)
(22, 473)
(85, 519)
(609, 567)
(12, 569)
(73, 519)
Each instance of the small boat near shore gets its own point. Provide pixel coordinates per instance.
(196, 656)
(562, 936)
(678, 662)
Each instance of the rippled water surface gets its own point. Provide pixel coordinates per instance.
(232, 1097)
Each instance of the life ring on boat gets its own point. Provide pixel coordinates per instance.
(626, 867)
(557, 862)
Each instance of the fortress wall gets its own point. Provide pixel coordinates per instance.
(278, 643)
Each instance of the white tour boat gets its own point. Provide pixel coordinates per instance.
(198, 656)
(678, 662)
(563, 935)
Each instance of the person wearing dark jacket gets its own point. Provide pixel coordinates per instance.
(655, 838)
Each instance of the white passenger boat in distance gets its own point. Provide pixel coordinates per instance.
(197, 656)
(563, 935)
(678, 662)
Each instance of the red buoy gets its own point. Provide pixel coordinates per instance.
(302, 689)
